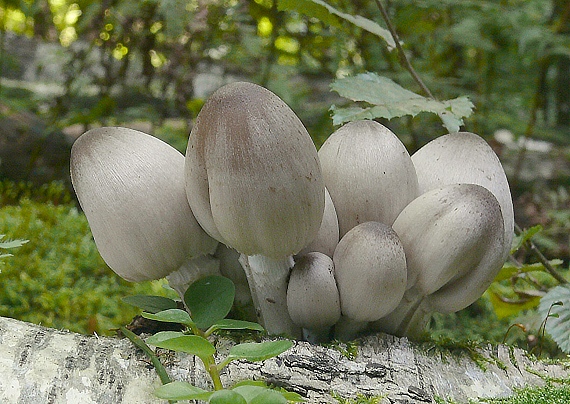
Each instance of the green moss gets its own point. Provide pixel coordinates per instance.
(360, 399)
(548, 394)
(348, 349)
(58, 278)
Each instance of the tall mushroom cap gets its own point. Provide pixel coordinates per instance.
(131, 188)
(465, 158)
(312, 294)
(369, 174)
(328, 235)
(252, 173)
(370, 270)
(452, 233)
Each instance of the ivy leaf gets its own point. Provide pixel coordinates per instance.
(557, 302)
(181, 391)
(210, 299)
(258, 351)
(389, 100)
(192, 344)
(228, 397)
(151, 304)
(330, 15)
(171, 316)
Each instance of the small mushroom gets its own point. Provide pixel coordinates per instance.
(254, 183)
(312, 296)
(131, 188)
(369, 174)
(466, 158)
(452, 236)
(370, 270)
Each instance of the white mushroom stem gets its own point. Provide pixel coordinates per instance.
(267, 280)
(191, 271)
(409, 319)
(347, 329)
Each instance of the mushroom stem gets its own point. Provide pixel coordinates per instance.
(409, 319)
(267, 280)
(193, 269)
(346, 329)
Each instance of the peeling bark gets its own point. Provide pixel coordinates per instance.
(42, 365)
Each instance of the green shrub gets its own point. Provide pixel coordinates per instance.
(58, 278)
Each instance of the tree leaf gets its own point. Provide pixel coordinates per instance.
(389, 100)
(509, 270)
(192, 344)
(151, 304)
(170, 316)
(181, 391)
(231, 324)
(228, 397)
(330, 15)
(210, 299)
(259, 351)
(557, 301)
(525, 236)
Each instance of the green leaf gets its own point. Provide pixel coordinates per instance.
(230, 324)
(259, 351)
(181, 391)
(509, 270)
(389, 100)
(508, 307)
(210, 299)
(330, 15)
(192, 344)
(269, 396)
(228, 397)
(525, 236)
(163, 336)
(170, 316)
(557, 301)
(151, 304)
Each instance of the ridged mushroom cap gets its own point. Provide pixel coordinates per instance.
(370, 270)
(131, 188)
(369, 174)
(253, 178)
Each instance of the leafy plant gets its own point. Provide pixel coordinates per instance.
(209, 300)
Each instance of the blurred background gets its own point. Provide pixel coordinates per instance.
(67, 66)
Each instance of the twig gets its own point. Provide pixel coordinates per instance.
(532, 247)
(401, 54)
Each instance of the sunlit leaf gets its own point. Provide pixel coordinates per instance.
(507, 307)
(330, 15)
(557, 303)
(228, 397)
(259, 351)
(170, 316)
(509, 270)
(192, 344)
(151, 304)
(181, 391)
(388, 99)
(210, 299)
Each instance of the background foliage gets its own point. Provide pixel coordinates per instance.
(122, 62)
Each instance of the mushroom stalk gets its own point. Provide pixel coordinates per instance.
(409, 319)
(192, 270)
(346, 329)
(267, 280)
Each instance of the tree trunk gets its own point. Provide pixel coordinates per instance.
(42, 365)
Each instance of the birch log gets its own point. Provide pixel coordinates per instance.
(42, 365)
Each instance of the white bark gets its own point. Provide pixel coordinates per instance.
(41, 365)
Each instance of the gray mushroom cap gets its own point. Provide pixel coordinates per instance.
(131, 188)
(252, 173)
(466, 158)
(452, 235)
(370, 270)
(312, 294)
(328, 235)
(369, 174)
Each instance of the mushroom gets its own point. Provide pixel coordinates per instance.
(453, 238)
(131, 188)
(466, 158)
(312, 296)
(370, 270)
(327, 237)
(369, 174)
(254, 183)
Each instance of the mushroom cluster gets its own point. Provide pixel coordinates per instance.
(359, 235)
